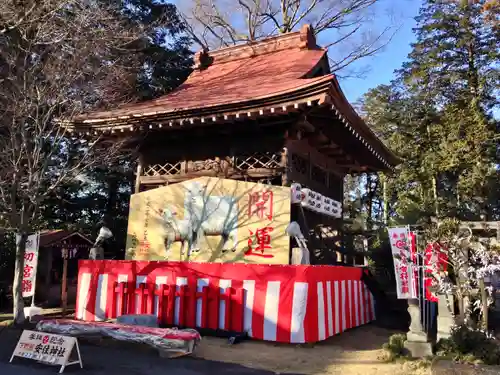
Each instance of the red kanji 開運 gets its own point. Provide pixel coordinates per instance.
(260, 204)
(260, 241)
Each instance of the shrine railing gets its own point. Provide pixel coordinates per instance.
(263, 164)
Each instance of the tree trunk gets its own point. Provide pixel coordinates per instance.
(385, 198)
(17, 287)
(435, 196)
(484, 304)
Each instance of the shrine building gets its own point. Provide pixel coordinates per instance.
(268, 112)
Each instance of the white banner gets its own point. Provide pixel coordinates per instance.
(30, 264)
(403, 264)
(314, 201)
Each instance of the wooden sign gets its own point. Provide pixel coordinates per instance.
(47, 348)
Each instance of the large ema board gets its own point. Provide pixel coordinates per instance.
(218, 220)
(210, 220)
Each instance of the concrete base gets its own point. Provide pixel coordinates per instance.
(418, 349)
(444, 328)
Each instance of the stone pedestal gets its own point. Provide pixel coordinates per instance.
(445, 319)
(419, 349)
(416, 339)
(96, 253)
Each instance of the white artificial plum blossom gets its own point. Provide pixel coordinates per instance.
(471, 260)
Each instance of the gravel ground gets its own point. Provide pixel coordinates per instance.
(451, 368)
(113, 361)
(356, 352)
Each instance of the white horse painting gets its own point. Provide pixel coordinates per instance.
(211, 216)
(177, 230)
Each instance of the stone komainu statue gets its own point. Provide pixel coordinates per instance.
(97, 251)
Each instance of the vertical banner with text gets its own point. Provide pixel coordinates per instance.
(403, 264)
(30, 264)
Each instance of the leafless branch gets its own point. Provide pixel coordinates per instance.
(227, 22)
(58, 58)
(370, 48)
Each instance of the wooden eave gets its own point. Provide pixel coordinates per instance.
(324, 94)
(281, 103)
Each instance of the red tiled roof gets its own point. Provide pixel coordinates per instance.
(237, 74)
(233, 82)
(261, 77)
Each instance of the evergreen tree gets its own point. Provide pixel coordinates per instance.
(166, 60)
(402, 123)
(102, 195)
(454, 68)
(166, 57)
(438, 115)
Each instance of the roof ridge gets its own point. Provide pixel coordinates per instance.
(303, 39)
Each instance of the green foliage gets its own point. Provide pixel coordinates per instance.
(437, 115)
(395, 347)
(380, 261)
(166, 56)
(102, 194)
(467, 345)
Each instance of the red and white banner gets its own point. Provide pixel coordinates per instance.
(415, 262)
(30, 264)
(404, 266)
(293, 304)
(436, 261)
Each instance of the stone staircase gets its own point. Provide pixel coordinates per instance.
(390, 311)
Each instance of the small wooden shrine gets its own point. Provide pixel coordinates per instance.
(269, 112)
(53, 243)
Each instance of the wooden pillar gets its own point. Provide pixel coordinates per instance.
(285, 164)
(64, 286)
(365, 250)
(138, 174)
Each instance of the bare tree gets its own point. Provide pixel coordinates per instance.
(219, 23)
(57, 59)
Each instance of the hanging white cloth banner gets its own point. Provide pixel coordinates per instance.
(314, 201)
(403, 264)
(30, 264)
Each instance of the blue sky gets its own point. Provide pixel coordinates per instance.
(380, 68)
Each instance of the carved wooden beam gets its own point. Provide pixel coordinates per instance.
(230, 173)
